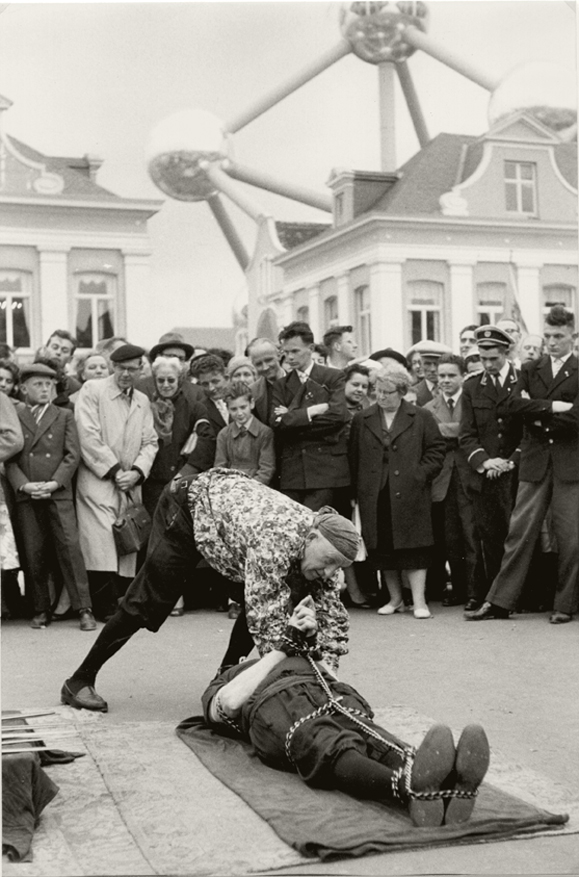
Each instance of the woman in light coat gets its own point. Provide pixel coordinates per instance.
(118, 440)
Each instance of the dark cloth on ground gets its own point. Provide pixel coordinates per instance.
(331, 824)
(26, 790)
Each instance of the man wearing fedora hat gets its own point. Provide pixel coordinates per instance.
(172, 344)
(41, 475)
(490, 442)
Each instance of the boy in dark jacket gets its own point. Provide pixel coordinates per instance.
(41, 475)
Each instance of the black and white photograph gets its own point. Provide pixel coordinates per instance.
(289, 407)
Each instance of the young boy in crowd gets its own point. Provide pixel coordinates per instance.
(41, 476)
(246, 443)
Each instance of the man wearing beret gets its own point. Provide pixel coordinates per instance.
(118, 443)
(273, 551)
(490, 442)
(430, 352)
(41, 475)
(546, 402)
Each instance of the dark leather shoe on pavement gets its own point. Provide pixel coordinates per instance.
(85, 699)
(560, 618)
(87, 621)
(40, 621)
(488, 611)
(433, 762)
(472, 606)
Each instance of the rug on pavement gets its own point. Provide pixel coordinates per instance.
(328, 824)
(141, 803)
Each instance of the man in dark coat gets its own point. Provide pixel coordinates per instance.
(430, 352)
(310, 419)
(265, 358)
(209, 370)
(41, 476)
(490, 442)
(547, 402)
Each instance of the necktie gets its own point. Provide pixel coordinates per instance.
(37, 412)
(450, 403)
(242, 430)
(556, 365)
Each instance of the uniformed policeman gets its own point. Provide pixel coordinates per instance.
(491, 444)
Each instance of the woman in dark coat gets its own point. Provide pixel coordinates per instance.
(186, 439)
(395, 452)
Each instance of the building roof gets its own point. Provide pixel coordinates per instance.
(75, 173)
(447, 160)
(208, 336)
(292, 234)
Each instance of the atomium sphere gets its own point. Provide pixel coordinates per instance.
(176, 147)
(543, 89)
(375, 30)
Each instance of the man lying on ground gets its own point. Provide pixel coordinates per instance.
(299, 718)
(274, 549)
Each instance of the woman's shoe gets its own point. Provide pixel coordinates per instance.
(391, 608)
(422, 613)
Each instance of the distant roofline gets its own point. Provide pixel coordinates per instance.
(448, 221)
(138, 205)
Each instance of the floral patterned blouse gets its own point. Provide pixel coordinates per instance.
(253, 534)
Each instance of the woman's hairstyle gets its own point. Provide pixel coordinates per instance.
(396, 375)
(10, 366)
(172, 362)
(356, 369)
(237, 362)
(82, 358)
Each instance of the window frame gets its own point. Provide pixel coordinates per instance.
(519, 185)
(95, 298)
(363, 318)
(9, 296)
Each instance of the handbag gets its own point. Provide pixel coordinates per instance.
(132, 528)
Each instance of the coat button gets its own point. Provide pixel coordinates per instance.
(500, 420)
(550, 441)
(172, 468)
(396, 472)
(50, 435)
(48, 455)
(500, 435)
(394, 447)
(398, 495)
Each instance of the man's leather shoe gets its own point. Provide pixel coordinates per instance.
(450, 599)
(472, 606)
(470, 767)
(85, 699)
(40, 621)
(486, 611)
(87, 621)
(560, 618)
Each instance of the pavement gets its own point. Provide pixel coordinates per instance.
(518, 677)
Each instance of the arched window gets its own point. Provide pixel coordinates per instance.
(558, 294)
(490, 302)
(363, 320)
(331, 312)
(15, 289)
(95, 295)
(424, 308)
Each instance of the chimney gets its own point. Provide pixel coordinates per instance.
(356, 192)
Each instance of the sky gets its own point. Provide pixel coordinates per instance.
(97, 78)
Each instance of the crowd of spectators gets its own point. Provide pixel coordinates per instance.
(461, 470)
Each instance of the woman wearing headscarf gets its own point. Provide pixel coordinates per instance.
(186, 440)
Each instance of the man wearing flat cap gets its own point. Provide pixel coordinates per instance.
(273, 550)
(430, 352)
(41, 475)
(118, 445)
(490, 442)
(172, 344)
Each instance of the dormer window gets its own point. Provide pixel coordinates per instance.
(521, 187)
